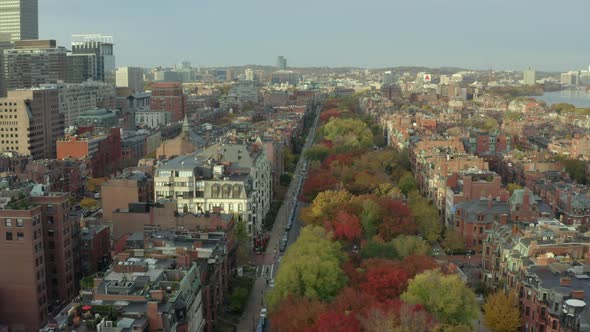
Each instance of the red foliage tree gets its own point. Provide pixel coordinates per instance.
(330, 321)
(385, 282)
(346, 227)
(352, 272)
(330, 113)
(316, 183)
(343, 158)
(416, 264)
(296, 314)
(327, 143)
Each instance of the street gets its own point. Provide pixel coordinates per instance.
(268, 264)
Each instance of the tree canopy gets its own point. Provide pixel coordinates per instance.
(445, 296)
(502, 313)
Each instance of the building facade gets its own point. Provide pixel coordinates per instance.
(170, 98)
(102, 49)
(130, 77)
(19, 19)
(31, 122)
(152, 119)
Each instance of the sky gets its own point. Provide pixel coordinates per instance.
(480, 34)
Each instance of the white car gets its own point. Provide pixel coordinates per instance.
(271, 283)
(263, 313)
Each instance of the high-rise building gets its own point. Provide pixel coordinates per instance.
(33, 62)
(169, 97)
(130, 77)
(570, 78)
(282, 62)
(37, 250)
(388, 78)
(529, 77)
(249, 73)
(81, 67)
(3, 45)
(19, 19)
(102, 48)
(31, 122)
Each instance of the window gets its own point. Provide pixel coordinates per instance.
(8, 222)
(20, 236)
(19, 223)
(527, 311)
(8, 236)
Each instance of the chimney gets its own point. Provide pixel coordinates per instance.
(565, 281)
(490, 201)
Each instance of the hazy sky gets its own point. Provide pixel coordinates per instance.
(502, 34)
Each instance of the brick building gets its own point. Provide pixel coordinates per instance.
(103, 150)
(95, 249)
(168, 97)
(129, 187)
(38, 243)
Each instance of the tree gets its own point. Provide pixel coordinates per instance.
(385, 282)
(370, 215)
(89, 203)
(311, 268)
(348, 134)
(502, 313)
(243, 241)
(512, 187)
(93, 184)
(407, 183)
(238, 299)
(331, 320)
(317, 152)
(406, 245)
(426, 216)
(346, 227)
(453, 241)
(416, 264)
(445, 296)
(325, 206)
(295, 314)
(289, 160)
(285, 179)
(375, 249)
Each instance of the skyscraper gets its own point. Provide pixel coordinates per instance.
(282, 62)
(102, 48)
(529, 77)
(19, 19)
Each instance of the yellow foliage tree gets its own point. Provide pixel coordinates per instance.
(324, 206)
(502, 313)
(89, 203)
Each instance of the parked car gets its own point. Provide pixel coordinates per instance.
(284, 241)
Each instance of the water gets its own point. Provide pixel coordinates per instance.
(578, 98)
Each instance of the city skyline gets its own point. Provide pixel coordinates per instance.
(430, 33)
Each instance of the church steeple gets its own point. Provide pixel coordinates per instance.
(185, 125)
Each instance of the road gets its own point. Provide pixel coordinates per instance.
(268, 264)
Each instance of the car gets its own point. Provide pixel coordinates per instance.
(283, 246)
(271, 283)
(263, 312)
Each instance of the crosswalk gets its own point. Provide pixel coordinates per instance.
(265, 271)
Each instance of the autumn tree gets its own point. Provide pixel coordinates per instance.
(376, 249)
(93, 184)
(502, 313)
(453, 241)
(311, 268)
(346, 227)
(416, 263)
(385, 282)
(325, 206)
(370, 216)
(89, 203)
(407, 183)
(295, 314)
(348, 134)
(317, 152)
(512, 187)
(447, 297)
(331, 320)
(426, 216)
(406, 245)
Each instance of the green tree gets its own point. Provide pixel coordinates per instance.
(348, 134)
(370, 216)
(447, 297)
(243, 241)
(502, 313)
(285, 179)
(238, 299)
(407, 183)
(512, 187)
(375, 249)
(317, 152)
(453, 241)
(310, 268)
(426, 216)
(289, 160)
(406, 245)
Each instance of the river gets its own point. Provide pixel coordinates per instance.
(578, 98)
